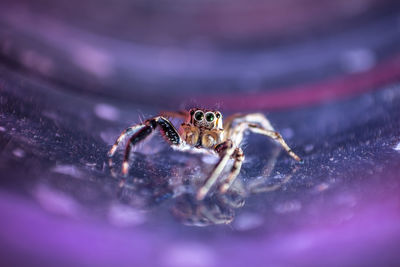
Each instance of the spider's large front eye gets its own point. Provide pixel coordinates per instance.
(210, 117)
(199, 115)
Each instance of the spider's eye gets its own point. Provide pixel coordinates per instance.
(210, 117)
(199, 115)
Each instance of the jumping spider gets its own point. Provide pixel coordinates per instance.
(203, 131)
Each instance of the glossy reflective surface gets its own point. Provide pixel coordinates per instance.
(339, 109)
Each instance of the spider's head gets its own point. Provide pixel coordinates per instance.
(210, 119)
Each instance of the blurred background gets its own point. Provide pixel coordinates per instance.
(74, 74)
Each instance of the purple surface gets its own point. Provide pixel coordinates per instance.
(71, 80)
(368, 236)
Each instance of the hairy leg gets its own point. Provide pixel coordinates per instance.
(225, 150)
(276, 136)
(143, 130)
(237, 165)
(256, 118)
(174, 114)
(236, 134)
(128, 132)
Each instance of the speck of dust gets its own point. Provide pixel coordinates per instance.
(397, 147)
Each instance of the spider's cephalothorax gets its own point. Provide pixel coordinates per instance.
(202, 128)
(204, 131)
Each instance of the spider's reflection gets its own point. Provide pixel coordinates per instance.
(159, 184)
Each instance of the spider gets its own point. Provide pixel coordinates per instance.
(203, 131)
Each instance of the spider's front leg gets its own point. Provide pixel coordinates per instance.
(128, 132)
(143, 130)
(276, 136)
(237, 124)
(237, 165)
(225, 150)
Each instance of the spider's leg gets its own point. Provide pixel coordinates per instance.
(236, 124)
(237, 137)
(257, 123)
(168, 131)
(174, 114)
(137, 137)
(237, 165)
(257, 187)
(257, 118)
(276, 136)
(128, 132)
(228, 122)
(225, 151)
